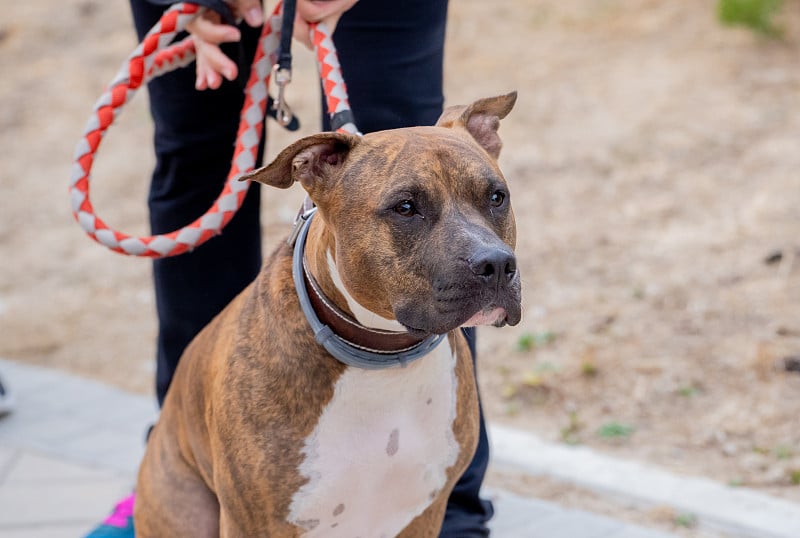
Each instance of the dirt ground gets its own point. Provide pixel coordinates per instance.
(654, 164)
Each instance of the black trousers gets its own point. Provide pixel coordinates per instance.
(392, 63)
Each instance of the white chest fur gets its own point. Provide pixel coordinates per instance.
(379, 452)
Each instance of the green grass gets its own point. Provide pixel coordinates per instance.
(758, 15)
(529, 341)
(589, 369)
(686, 519)
(570, 434)
(794, 477)
(687, 391)
(615, 430)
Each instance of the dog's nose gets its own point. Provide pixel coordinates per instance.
(494, 266)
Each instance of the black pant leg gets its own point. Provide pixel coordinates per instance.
(194, 142)
(467, 513)
(392, 62)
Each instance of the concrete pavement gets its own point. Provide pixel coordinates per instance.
(70, 450)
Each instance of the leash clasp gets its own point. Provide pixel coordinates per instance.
(283, 114)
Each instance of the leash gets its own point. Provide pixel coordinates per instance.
(156, 55)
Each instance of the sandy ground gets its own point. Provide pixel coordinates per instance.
(654, 164)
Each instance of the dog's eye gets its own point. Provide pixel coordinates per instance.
(406, 208)
(497, 198)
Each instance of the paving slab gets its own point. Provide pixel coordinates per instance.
(45, 496)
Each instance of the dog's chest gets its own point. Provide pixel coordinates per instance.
(380, 451)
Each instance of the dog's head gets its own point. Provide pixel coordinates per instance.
(421, 217)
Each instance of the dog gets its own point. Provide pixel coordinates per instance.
(335, 396)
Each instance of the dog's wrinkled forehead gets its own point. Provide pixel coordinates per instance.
(412, 156)
(463, 136)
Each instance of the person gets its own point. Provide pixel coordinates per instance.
(392, 62)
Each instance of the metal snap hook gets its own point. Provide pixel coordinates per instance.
(283, 113)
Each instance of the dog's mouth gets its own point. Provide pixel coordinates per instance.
(420, 321)
(493, 315)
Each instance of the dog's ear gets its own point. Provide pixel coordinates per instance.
(481, 119)
(306, 161)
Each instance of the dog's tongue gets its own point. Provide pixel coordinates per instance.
(486, 317)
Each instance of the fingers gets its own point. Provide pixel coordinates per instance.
(208, 28)
(320, 10)
(212, 63)
(302, 32)
(208, 33)
(325, 11)
(251, 11)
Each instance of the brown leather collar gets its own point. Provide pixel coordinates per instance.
(357, 335)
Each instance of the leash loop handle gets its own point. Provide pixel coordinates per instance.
(154, 56)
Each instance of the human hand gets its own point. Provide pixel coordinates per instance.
(208, 33)
(310, 11)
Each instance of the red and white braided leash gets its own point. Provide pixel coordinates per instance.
(155, 56)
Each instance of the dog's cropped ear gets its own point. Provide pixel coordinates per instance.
(481, 119)
(307, 160)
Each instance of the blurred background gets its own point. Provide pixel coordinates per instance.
(654, 162)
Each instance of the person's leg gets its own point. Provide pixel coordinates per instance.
(392, 64)
(194, 142)
(467, 513)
